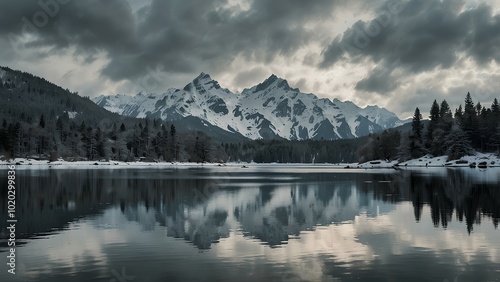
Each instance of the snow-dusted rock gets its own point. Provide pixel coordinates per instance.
(271, 109)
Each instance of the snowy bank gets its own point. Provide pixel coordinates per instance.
(377, 164)
(22, 163)
(477, 160)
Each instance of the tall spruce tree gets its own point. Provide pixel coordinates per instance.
(495, 140)
(41, 123)
(459, 112)
(469, 121)
(443, 129)
(173, 142)
(433, 125)
(495, 108)
(457, 142)
(417, 149)
(494, 126)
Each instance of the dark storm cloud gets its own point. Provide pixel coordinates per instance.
(183, 36)
(421, 36)
(171, 35)
(377, 82)
(88, 25)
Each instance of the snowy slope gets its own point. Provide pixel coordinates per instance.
(271, 109)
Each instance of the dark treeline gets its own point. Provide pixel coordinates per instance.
(375, 146)
(471, 128)
(42, 120)
(148, 140)
(283, 151)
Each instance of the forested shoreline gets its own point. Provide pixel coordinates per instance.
(470, 129)
(41, 120)
(473, 128)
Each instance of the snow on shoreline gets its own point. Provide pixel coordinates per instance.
(40, 164)
(22, 163)
(491, 160)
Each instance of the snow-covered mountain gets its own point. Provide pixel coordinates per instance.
(271, 109)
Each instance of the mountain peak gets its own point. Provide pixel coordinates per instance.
(204, 76)
(266, 110)
(273, 79)
(202, 83)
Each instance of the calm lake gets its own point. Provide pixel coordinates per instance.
(262, 223)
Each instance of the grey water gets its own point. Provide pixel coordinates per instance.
(261, 223)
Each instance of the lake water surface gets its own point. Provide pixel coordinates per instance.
(262, 223)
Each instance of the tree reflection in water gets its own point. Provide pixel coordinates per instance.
(265, 206)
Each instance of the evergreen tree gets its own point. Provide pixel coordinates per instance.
(495, 140)
(416, 125)
(100, 150)
(156, 145)
(478, 109)
(3, 139)
(82, 128)
(443, 129)
(144, 137)
(493, 125)
(433, 125)
(459, 113)
(495, 108)
(416, 146)
(457, 142)
(173, 141)
(469, 105)
(59, 124)
(42, 121)
(121, 151)
(164, 143)
(469, 121)
(14, 139)
(404, 150)
(485, 127)
(389, 141)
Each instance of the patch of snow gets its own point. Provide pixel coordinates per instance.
(489, 159)
(377, 164)
(24, 163)
(72, 115)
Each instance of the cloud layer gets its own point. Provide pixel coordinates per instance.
(368, 52)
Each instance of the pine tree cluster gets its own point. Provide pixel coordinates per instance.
(472, 128)
(149, 141)
(36, 122)
(43, 121)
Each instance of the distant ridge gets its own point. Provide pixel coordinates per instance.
(269, 110)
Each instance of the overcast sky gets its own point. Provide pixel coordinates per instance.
(398, 54)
